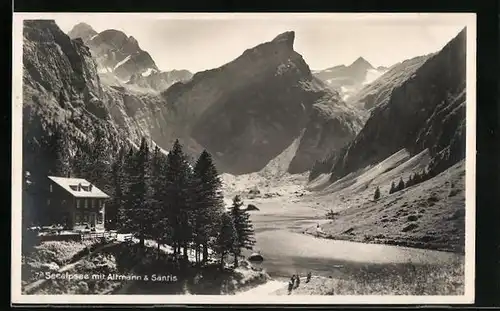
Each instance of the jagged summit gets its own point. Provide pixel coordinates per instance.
(83, 31)
(287, 37)
(361, 63)
(83, 26)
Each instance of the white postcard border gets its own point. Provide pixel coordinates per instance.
(468, 19)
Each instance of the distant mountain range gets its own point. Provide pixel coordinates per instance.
(418, 104)
(347, 80)
(120, 55)
(248, 112)
(225, 110)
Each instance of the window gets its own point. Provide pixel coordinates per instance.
(50, 188)
(93, 203)
(77, 203)
(77, 218)
(86, 203)
(48, 201)
(100, 217)
(85, 217)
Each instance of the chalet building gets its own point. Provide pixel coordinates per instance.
(78, 203)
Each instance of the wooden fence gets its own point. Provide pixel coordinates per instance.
(97, 235)
(79, 236)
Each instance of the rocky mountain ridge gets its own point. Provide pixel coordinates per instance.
(259, 103)
(120, 55)
(245, 113)
(348, 80)
(379, 91)
(426, 111)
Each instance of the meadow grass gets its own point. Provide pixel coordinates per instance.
(407, 279)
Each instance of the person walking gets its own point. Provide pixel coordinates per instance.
(308, 278)
(297, 279)
(290, 287)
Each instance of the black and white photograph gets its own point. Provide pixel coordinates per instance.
(243, 158)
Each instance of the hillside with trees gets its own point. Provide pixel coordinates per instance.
(155, 196)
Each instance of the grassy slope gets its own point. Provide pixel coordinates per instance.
(406, 280)
(49, 256)
(428, 215)
(119, 259)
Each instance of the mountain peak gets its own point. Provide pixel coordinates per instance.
(83, 31)
(361, 62)
(83, 26)
(287, 37)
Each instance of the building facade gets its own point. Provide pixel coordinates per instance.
(76, 204)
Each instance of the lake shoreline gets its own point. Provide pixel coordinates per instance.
(387, 241)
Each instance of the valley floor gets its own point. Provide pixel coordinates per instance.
(428, 217)
(386, 246)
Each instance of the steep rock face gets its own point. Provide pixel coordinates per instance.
(427, 110)
(251, 109)
(329, 129)
(60, 86)
(159, 80)
(245, 113)
(115, 52)
(379, 91)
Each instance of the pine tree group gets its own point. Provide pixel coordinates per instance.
(413, 179)
(155, 196)
(243, 229)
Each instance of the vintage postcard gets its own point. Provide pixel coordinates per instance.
(243, 158)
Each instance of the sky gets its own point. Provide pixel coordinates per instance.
(199, 42)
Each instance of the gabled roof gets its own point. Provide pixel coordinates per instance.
(87, 190)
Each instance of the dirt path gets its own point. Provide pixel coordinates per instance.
(268, 288)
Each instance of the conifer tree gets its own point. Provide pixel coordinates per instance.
(125, 212)
(418, 177)
(401, 184)
(100, 166)
(376, 196)
(62, 153)
(411, 180)
(208, 203)
(81, 163)
(393, 188)
(243, 229)
(140, 195)
(226, 238)
(178, 198)
(161, 226)
(118, 183)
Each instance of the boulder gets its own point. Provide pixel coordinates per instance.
(252, 207)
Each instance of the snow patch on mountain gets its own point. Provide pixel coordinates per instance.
(122, 62)
(148, 72)
(372, 75)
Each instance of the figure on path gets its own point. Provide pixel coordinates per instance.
(308, 277)
(290, 287)
(318, 230)
(297, 281)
